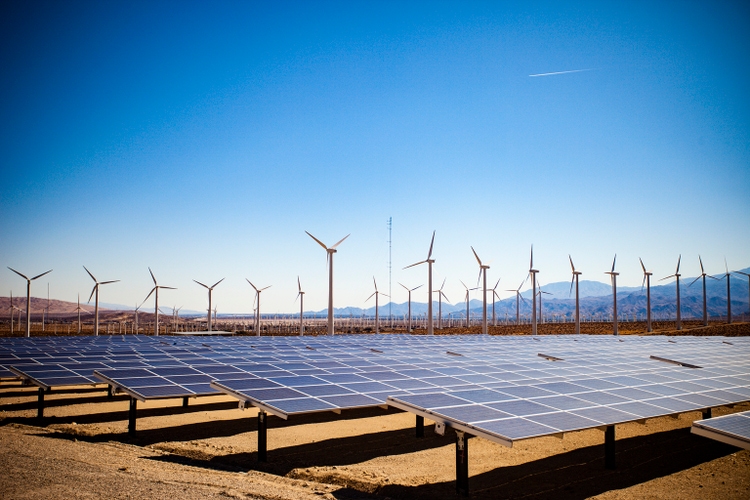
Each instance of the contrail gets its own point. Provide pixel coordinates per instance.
(563, 72)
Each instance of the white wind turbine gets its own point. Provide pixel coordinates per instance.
(482, 273)
(519, 298)
(677, 275)
(301, 297)
(156, 300)
(441, 295)
(468, 319)
(647, 281)
(727, 275)
(376, 294)
(703, 275)
(748, 284)
(210, 291)
(78, 308)
(409, 290)
(532, 274)
(495, 296)
(11, 312)
(95, 290)
(576, 274)
(429, 263)
(28, 297)
(539, 293)
(329, 260)
(613, 276)
(256, 305)
(136, 318)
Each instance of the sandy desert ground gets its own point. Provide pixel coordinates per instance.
(208, 450)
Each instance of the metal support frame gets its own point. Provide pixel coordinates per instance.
(184, 401)
(706, 413)
(420, 426)
(109, 391)
(262, 436)
(40, 403)
(462, 463)
(609, 447)
(131, 416)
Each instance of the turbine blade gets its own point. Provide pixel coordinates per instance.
(21, 275)
(678, 264)
(92, 292)
(266, 288)
(316, 239)
(92, 276)
(402, 285)
(464, 284)
(613, 263)
(429, 253)
(371, 296)
(299, 285)
(222, 279)
(108, 282)
(416, 264)
(420, 286)
(691, 283)
(441, 286)
(152, 275)
(495, 287)
(571, 285)
(477, 256)
(572, 267)
(251, 284)
(168, 287)
(701, 261)
(340, 241)
(40, 275)
(147, 296)
(643, 283)
(375, 283)
(642, 267)
(531, 262)
(201, 284)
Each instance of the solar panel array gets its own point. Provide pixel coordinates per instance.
(503, 388)
(733, 429)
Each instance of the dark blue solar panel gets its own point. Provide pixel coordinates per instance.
(521, 407)
(564, 421)
(517, 428)
(352, 401)
(303, 405)
(471, 413)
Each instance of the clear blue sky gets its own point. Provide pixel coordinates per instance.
(203, 138)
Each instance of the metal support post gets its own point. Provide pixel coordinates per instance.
(706, 413)
(462, 463)
(609, 447)
(131, 416)
(184, 401)
(420, 426)
(109, 392)
(40, 404)
(262, 436)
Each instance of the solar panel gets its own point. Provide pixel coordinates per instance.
(732, 429)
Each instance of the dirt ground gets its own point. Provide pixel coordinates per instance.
(208, 449)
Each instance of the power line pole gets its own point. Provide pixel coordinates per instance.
(390, 294)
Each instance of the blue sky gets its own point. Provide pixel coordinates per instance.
(203, 139)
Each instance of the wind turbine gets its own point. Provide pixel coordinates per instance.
(329, 259)
(727, 275)
(519, 298)
(156, 300)
(440, 304)
(468, 323)
(376, 294)
(11, 312)
(647, 281)
(210, 291)
(256, 303)
(703, 275)
(677, 275)
(28, 297)
(78, 308)
(576, 274)
(136, 317)
(613, 276)
(748, 284)
(429, 284)
(482, 273)
(409, 290)
(540, 292)
(494, 296)
(532, 273)
(95, 290)
(301, 297)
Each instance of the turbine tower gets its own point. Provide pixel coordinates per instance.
(494, 296)
(441, 295)
(409, 290)
(613, 276)
(704, 276)
(136, 318)
(647, 281)
(95, 290)
(748, 285)
(576, 274)
(376, 294)
(467, 302)
(155, 291)
(482, 274)
(540, 292)
(728, 276)
(256, 305)
(429, 262)
(329, 259)
(676, 275)
(301, 297)
(210, 291)
(532, 273)
(519, 298)
(28, 297)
